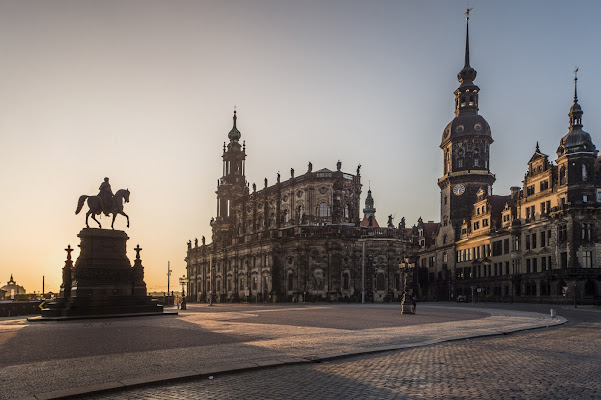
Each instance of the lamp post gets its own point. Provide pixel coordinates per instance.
(363, 273)
(169, 271)
(183, 281)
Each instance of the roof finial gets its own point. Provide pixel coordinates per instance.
(575, 81)
(234, 133)
(467, 37)
(537, 149)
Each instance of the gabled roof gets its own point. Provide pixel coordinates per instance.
(538, 155)
(324, 170)
(374, 222)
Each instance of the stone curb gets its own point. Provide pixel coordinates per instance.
(195, 374)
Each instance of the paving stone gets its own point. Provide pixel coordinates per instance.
(555, 363)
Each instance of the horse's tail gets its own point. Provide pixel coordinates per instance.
(82, 199)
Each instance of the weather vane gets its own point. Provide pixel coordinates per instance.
(467, 13)
(576, 74)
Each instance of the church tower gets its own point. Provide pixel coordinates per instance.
(465, 145)
(232, 185)
(369, 212)
(576, 156)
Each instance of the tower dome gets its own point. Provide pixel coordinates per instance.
(467, 121)
(577, 139)
(234, 133)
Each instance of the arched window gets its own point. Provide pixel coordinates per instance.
(584, 173)
(345, 281)
(290, 281)
(346, 211)
(562, 175)
(323, 210)
(380, 282)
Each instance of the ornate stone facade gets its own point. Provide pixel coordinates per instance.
(296, 240)
(538, 243)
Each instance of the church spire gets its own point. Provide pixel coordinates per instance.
(467, 75)
(575, 85)
(575, 111)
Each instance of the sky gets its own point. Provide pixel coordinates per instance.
(143, 92)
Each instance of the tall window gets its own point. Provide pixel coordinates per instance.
(586, 231)
(564, 260)
(562, 232)
(323, 210)
(380, 282)
(345, 281)
(562, 175)
(290, 281)
(587, 259)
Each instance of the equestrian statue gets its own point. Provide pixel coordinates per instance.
(105, 202)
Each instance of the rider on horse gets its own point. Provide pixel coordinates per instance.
(106, 197)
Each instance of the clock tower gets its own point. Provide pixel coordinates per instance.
(465, 145)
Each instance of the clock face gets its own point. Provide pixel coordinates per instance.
(458, 190)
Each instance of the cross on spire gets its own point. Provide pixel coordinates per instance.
(467, 37)
(68, 250)
(138, 249)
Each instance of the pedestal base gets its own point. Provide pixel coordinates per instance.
(103, 282)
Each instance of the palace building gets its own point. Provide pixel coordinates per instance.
(297, 240)
(538, 243)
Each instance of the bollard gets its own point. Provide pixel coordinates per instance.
(552, 313)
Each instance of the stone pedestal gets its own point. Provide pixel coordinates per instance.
(103, 282)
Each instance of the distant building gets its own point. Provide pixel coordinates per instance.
(541, 242)
(297, 240)
(12, 289)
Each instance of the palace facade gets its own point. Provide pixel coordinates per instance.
(538, 243)
(297, 240)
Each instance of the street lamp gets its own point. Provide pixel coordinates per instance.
(169, 271)
(183, 281)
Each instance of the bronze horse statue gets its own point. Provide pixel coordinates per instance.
(95, 207)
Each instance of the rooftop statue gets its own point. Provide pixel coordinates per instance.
(105, 202)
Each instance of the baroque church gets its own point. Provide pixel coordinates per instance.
(537, 243)
(297, 240)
